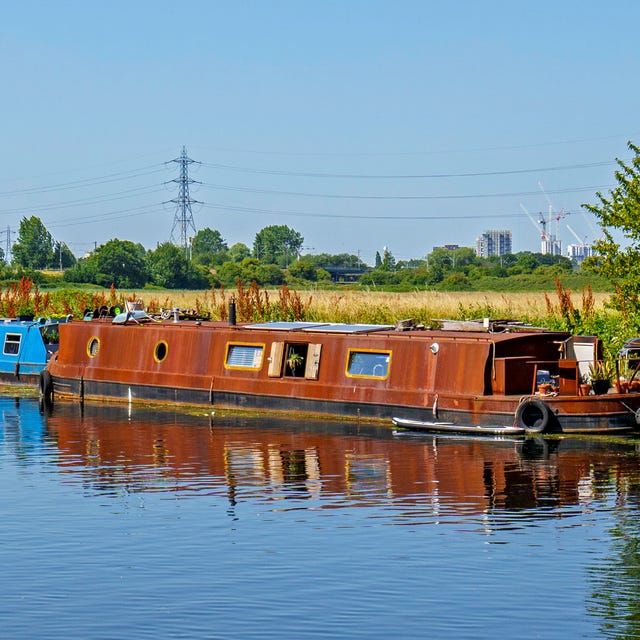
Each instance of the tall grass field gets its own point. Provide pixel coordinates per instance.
(579, 312)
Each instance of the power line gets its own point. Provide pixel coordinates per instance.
(87, 182)
(400, 197)
(119, 195)
(111, 215)
(308, 214)
(417, 176)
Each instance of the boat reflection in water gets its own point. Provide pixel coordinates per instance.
(559, 514)
(337, 464)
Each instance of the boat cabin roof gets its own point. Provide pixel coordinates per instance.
(323, 327)
(15, 323)
(387, 329)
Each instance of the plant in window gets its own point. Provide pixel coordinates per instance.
(293, 360)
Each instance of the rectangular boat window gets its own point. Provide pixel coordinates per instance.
(12, 344)
(244, 356)
(295, 362)
(368, 364)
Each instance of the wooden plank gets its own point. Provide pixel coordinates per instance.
(275, 359)
(313, 362)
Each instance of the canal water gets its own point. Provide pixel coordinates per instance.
(135, 523)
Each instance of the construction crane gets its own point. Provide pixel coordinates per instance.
(580, 251)
(541, 226)
(554, 240)
(582, 241)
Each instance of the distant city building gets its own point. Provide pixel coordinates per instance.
(551, 245)
(450, 247)
(579, 252)
(493, 243)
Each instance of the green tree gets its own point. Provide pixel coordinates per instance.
(303, 269)
(82, 271)
(526, 262)
(118, 262)
(238, 252)
(269, 274)
(246, 271)
(442, 260)
(388, 261)
(206, 244)
(34, 247)
(229, 273)
(168, 267)
(456, 281)
(465, 257)
(63, 258)
(324, 260)
(620, 212)
(277, 244)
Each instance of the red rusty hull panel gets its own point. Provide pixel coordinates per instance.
(429, 374)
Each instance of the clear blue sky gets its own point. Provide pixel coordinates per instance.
(356, 122)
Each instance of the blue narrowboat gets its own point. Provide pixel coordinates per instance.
(27, 346)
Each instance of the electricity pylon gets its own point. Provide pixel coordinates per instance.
(183, 220)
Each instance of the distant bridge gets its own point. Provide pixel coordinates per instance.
(345, 274)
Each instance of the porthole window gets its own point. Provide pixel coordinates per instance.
(161, 351)
(93, 346)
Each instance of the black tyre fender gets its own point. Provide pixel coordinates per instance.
(533, 415)
(46, 385)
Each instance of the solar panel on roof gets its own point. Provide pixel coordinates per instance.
(350, 328)
(286, 326)
(325, 327)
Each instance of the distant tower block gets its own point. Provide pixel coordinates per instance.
(183, 225)
(493, 243)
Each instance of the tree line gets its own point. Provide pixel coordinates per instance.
(276, 258)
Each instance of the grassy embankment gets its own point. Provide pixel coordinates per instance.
(578, 312)
(384, 307)
(581, 312)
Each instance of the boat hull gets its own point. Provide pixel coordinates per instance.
(22, 379)
(592, 415)
(457, 377)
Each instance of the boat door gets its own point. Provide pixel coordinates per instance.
(294, 360)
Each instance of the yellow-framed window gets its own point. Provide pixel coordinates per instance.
(244, 355)
(368, 363)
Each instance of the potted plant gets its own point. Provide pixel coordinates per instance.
(601, 372)
(293, 360)
(585, 385)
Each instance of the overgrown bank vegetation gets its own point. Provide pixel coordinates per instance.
(583, 312)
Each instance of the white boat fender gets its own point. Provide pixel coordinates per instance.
(533, 414)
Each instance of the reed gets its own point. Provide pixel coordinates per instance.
(374, 306)
(578, 312)
(572, 311)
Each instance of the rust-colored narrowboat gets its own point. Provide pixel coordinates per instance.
(461, 377)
